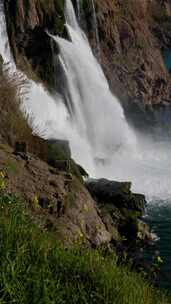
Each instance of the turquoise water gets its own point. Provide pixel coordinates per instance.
(159, 217)
(167, 59)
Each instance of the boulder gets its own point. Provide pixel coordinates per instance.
(116, 193)
(120, 210)
(59, 157)
(58, 149)
(107, 189)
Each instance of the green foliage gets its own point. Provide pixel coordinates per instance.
(11, 166)
(75, 170)
(57, 152)
(36, 269)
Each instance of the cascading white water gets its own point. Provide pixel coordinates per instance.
(93, 104)
(95, 25)
(99, 135)
(79, 9)
(70, 16)
(4, 45)
(99, 119)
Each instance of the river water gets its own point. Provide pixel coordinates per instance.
(159, 217)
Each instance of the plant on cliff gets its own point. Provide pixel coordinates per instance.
(12, 123)
(34, 268)
(15, 125)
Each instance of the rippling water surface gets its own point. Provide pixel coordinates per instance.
(159, 217)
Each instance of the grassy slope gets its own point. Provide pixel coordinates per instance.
(36, 269)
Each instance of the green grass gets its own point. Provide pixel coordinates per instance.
(35, 269)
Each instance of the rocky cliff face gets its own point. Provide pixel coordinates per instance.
(27, 23)
(134, 38)
(130, 52)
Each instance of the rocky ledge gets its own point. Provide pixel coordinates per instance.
(121, 210)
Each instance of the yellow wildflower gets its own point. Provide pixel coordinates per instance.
(2, 185)
(36, 202)
(140, 235)
(2, 175)
(159, 260)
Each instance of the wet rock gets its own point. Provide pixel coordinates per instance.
(116, 193)
(82, 171)
(59, 154)
(61, 165)
(121, 211)
(129, 229)
(58, 149)
(144, 232)
(103, 188)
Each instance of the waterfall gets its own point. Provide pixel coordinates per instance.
(87, 114)
(48, 115)
(93, 104)
(4, 44)
(79, 9)
(95, 26)
(112, 146)
(70, 16)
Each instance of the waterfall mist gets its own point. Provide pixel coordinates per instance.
(87, 114)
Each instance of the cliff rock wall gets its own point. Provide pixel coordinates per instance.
(135, 42)
(27, 23)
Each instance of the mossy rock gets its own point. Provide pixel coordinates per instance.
(116, 193)
(58, 150)
(59, 157)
